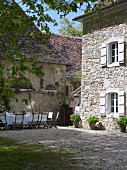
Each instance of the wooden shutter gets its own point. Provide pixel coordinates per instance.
(103, 54)
(102, 104)
(121, 50)
(121, 101)
(108, 103)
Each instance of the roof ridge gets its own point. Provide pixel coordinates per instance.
(67, 36)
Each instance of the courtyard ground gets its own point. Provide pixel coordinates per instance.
(90, 150)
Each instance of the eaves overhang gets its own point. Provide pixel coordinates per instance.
(105, 11)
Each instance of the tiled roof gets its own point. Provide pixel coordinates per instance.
(45, 48)
(107, 3)
(70, 48)
(58, 49)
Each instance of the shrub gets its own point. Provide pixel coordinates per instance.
(122, 121)
(92, 119)
(75, 117)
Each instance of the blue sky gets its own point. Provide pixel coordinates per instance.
(54, 15)
(70, 16)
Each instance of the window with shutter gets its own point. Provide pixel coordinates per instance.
(112, 103)
(115, 104)
(112, 52)
(102, 104)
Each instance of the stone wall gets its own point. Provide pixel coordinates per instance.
(96, 78)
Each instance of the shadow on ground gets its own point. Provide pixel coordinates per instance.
(92, 150)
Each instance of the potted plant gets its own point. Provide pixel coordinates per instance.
(76, 119)
(122, 122)
(92, 120)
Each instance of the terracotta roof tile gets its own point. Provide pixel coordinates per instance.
(70, 48)
(58, 49)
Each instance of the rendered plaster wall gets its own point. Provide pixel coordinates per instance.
(96, 78)
(43, 100)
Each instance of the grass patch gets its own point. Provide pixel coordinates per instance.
(15, 156)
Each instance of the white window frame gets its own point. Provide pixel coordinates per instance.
(110, 56)
(115, 101)
(106, 52)
(105, 103)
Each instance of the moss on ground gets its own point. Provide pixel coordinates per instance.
(15, 156)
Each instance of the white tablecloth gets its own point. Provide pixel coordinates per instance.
(10, 117)
(27, 119)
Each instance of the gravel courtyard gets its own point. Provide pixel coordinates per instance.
(95, 150)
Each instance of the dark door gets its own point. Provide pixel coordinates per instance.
(69, 111)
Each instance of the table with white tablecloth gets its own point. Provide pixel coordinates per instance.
(10, 118)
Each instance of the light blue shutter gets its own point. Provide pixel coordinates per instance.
(103, 54)
(121, 101)
(108, 103)
(121, 50)
(102, 104)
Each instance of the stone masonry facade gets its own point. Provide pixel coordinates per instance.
(95, 77)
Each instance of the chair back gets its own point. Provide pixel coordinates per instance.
(19, 118)
(35, 117)
(57, 115)
(44, 118)
(3, 117)
(39, 117)
(50, 115)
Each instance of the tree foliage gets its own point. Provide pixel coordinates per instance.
(16, 25)
(69, 28)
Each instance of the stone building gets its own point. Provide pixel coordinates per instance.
(104, 64)
(58, 57)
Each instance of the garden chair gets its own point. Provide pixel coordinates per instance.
(35, 119)
(52, 120)
(19, 117)
(44, 120)
(28, 119)
(3, 120)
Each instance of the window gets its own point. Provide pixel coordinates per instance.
(113, 49)
(112, 103)
(50, 87)
(112, 52)
(41, 83)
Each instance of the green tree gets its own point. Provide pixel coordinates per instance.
(15, 24)
(69, 28)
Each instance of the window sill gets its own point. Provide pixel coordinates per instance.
(48, 91)
(113, 65)
(113, 115)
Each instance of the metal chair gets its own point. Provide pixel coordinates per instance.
(35, 119)
(3, 120)
(43, 120)
(19, 117)
(52, 120)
